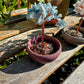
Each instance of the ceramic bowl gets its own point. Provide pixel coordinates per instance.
(44, 58)
(72, 39)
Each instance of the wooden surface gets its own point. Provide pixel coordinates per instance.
(77, 77)
(18, 12)
(15, 19)
(17, 15)
(11, 46)
(14, 27)
(25, 71)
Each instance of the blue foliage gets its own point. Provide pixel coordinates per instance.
(40, 11)
(61, 23)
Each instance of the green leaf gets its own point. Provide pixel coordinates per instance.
(1, 6)
(4, 10)
(1, 67)
(81, 51)
(1, 23)
(26, 53)
(14, 3)
(0, 15)
(42, 1)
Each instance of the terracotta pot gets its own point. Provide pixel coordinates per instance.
(44, 58)
(72, 39)
(61, 4)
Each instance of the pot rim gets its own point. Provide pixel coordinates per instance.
(69, 27)
(40, 55)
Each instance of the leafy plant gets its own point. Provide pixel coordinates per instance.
(4, 8)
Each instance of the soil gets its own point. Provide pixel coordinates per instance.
(73, 33)
(45, 49)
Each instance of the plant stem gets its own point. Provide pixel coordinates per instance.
(79, 24)
(42, 40)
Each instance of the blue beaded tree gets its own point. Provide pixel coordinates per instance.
(44, 12)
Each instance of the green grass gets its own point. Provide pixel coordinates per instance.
(13, 59)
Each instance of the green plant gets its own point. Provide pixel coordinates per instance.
(13, 59)
(4, 8)
(42, 1)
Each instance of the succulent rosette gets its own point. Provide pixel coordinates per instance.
(39, 11)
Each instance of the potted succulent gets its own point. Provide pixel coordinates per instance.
(75, 34)
(43, 48)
